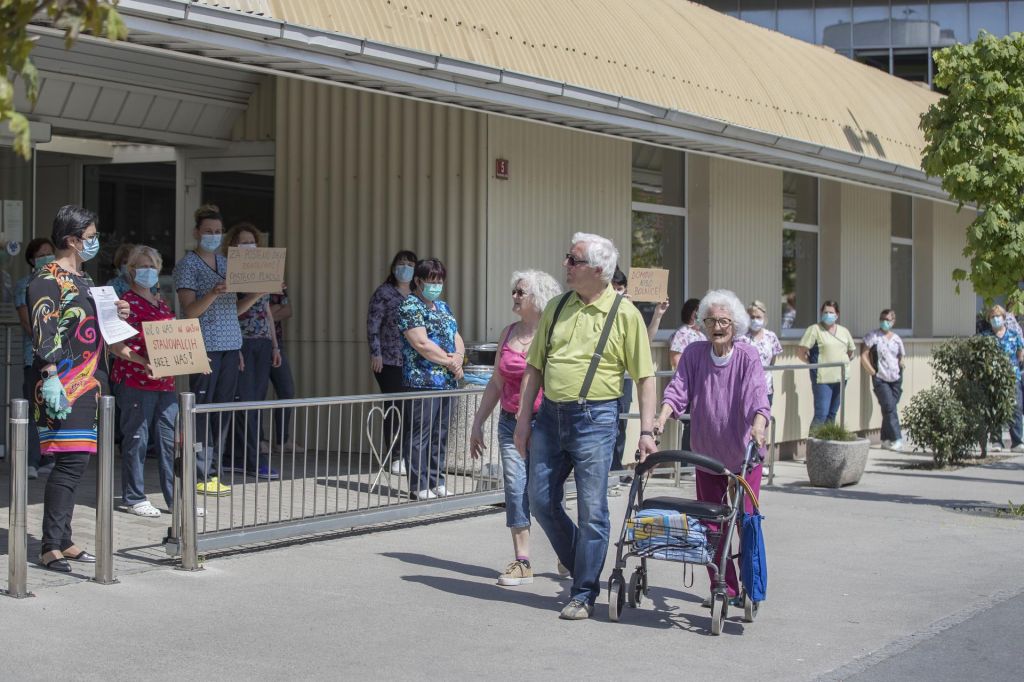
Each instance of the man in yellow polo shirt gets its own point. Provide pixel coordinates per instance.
(577, 423)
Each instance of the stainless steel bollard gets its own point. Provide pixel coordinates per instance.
(17, 539)
(105, 494)
(187, 513)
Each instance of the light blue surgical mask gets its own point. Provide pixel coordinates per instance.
(996, 322)
(756, 324)
(432, 292)
(210, 242)
(886, 325)
(42, 261)
(90, 247)
(829, 318)
(403, 273)
(147, 277)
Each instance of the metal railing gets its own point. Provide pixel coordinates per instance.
(336, 463)
(12, 369)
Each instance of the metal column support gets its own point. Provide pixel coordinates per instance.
(17, 539)
(105, 494)
(187, 513)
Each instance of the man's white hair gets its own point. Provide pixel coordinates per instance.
(600, 252)
(540, 286)
(724, 297)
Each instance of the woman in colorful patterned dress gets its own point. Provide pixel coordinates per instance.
(764, 341)
(69, 356)
(432, 352)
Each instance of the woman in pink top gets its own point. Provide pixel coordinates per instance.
(531, 291)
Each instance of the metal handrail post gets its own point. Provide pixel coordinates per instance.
(105, 494)
(187, 514)
(17, 539)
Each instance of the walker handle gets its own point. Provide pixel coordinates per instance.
(681, 456)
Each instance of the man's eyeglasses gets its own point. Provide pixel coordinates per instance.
(519, 292)
(573, 261)
(723, 322)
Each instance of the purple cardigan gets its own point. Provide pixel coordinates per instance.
(722, 400)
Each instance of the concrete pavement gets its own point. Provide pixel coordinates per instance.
(855, 575)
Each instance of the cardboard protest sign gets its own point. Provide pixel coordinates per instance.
(255, 271)
(175, 348)
(648, 285)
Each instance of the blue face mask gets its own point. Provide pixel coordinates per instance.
(403, 273)
(43, 261)
(886, 325)
(210, 242)
(146, 277)
(90, 247)
(996, 322)
(829, 318)
(432, 292)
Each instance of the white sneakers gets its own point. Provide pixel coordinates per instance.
(144, 508)
(398, 467)
(896, 445)
(1019, 447)
(433, 493)
(440, 491)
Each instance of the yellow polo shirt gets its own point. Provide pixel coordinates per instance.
(573, 343)
(831, 348)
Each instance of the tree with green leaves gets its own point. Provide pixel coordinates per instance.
(16, 43)
(975, 144)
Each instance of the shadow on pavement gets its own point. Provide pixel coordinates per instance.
(805, 488)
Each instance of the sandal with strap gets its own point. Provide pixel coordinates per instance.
(59, 565)
(144, 508)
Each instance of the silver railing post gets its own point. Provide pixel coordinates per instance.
(105, 494)
(187, 514)
(17, 539)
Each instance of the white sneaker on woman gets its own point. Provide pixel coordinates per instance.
(425, 495)
(398, 467)
(441, 491)
(145, 508)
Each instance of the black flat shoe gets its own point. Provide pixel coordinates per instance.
(58, 565)
(82, 557)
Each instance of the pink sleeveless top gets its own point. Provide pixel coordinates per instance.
(511, 367)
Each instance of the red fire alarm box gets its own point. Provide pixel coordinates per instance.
(501, 169)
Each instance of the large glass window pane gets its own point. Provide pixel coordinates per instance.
(799, 278)
(910, 26)
(832, 23)
(658, 175)
(17, 202)
(796, 19)
(1016, 16)
(951, 20)
(799, 198)
(879, 59)
(870, 23)
(902, 284)
(990, 16)
(659, 241)
(911, 65)
(730, 7)
(902, 216)
(760, 12)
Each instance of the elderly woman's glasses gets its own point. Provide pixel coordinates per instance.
(723, 322)
(573, 261)
(519, 292)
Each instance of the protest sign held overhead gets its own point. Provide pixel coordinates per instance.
(255, 271)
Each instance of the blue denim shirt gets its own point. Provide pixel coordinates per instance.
(1010, 343)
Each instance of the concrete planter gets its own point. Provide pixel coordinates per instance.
(833, 464)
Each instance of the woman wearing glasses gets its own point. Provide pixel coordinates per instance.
(722, 383)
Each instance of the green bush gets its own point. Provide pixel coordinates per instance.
(831, 431)
(935, 420)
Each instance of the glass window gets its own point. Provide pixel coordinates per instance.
(659, 241)
(658, 175)
(878, 59)
(949, 18)
(760, 12)
(799, 299)
(796, 19)
(911, 65)
(1016, 16)
(832, 23)
(870, 23)
(990, 16)
(902, 216)
(730, 7)
(910, 26)
(902, 284)
(799, 199)
(16, 219)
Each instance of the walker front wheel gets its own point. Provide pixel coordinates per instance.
(637, 587)
(719, 608)
(616, 596)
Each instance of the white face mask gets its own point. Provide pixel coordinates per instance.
(756, 324)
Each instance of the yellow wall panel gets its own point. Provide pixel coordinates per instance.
(865, 255)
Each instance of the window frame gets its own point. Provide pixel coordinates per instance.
(904, 241)
(796, 332)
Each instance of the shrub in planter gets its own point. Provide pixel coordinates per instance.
(935, 420)
(835, 457)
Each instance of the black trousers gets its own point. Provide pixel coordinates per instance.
(59, 499)
(389, 379)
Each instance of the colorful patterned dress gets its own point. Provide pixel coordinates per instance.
(67, 335)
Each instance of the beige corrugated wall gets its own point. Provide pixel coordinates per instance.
(866, 254)
(257, 123)
(953, 315)
(360, 176)
(560, 182)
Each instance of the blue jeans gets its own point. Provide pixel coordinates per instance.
(516, 473)
(216, 387)
(578, 438)
(826, 402)
(142, 413)
(888, 394)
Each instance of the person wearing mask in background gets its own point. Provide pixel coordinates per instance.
(764, 341)
(1013, 345)
(281, 376)
(260, 355)
(882, 358)
(433, 352)
(69, 353)
(120, 281)
(531, 291)
(199, 279)
(385, 339)
(826, 342)
(38, 253)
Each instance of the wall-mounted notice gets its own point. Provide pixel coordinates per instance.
(255, 271)
(13, 223)
(648, 285)
(175, 348)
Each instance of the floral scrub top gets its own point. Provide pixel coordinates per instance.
(220, 321)
(889, 351)
(767, 347)
(279, 299)
(417, 371)
(67, 335)
(382, 327)
(1010, 343)
(254, 321)
(684, 336)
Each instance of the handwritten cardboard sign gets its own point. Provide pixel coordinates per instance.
(255, 271)
(175, 348)
(648, 285)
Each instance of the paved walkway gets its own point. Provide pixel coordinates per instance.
(855, 575)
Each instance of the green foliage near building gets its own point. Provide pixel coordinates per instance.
(74, 17)
(975, 144)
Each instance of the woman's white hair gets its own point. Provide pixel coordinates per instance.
(143, 251)
(724, 297)
(540, 286)
(601, 253)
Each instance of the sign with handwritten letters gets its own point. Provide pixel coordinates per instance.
(648, 285)
(175, 348)
(255, 271)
